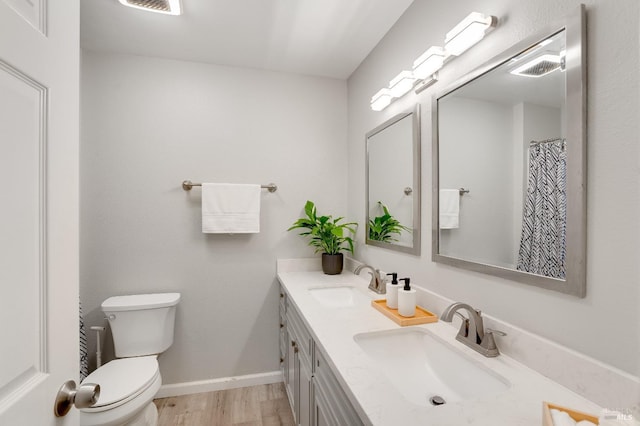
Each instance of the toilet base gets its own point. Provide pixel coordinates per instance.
(140, 411)
(147, 417)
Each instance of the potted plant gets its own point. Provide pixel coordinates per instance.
(327, 235)
(383, 228)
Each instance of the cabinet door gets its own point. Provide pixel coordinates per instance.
(296, 382)
(320, 415)
(283, 345)
(305, 393)
(291, 376)
(327, 390)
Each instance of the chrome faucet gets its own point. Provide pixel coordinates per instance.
(376, 284)
(472, 332)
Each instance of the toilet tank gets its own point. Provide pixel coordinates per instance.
(141, 324)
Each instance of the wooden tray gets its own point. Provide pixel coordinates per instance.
(575, 415)
(422, 316)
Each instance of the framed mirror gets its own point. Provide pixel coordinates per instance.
(393, 183)
(509, 160)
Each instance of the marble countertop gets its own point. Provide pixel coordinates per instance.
(372, 394)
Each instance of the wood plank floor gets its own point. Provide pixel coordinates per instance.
(264, 405)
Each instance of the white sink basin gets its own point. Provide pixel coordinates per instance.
(421, 365)
(335, 297)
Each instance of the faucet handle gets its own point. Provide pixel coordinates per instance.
(464, 326)
(498, 332)
(489, 343)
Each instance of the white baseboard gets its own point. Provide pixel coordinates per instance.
(187, 388)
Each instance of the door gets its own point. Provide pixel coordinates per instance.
(39, 90)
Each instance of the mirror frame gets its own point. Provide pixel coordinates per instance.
(415, 194)
(576, 135)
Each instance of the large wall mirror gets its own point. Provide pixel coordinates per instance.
(393, 183)
(512, 134)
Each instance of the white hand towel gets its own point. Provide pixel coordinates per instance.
(230, 208)
(449, 208)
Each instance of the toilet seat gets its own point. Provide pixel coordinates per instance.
(121, 380)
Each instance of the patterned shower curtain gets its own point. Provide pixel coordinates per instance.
(84, 358)
(544, 222)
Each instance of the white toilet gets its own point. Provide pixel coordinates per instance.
(142, 328)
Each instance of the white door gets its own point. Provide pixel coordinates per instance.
(39, 90)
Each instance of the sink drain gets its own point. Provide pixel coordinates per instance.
(437, 400)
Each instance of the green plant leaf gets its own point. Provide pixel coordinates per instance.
(310, 210)
(385, 227)
(325, 233)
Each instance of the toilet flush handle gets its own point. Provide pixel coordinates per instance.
(84, 396)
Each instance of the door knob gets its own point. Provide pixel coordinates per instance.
(84, 396)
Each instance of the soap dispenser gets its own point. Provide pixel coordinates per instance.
(406, 299)
(392, 291)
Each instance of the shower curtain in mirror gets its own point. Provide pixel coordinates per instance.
(84, 358)
(542, 244)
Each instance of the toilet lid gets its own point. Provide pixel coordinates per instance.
(134, 302)
(122, 378)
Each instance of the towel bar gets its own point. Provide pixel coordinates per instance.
(187, 185)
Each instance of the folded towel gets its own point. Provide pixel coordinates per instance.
(230, 208)
(449, 208)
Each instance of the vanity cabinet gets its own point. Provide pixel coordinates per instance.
(316, 397)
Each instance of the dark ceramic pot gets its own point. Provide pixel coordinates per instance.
(332, 263)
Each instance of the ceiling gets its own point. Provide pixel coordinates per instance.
(327, 38)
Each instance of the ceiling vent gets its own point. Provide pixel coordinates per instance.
(168, 7)
(541, 65)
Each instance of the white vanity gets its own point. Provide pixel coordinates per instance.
(335, 351)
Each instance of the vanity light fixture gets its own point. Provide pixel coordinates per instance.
(167, 7)
(468, 32)
(429, 81)
(401, 84)
(381, 100)
(429, 62)
(539, 66)
(471, 30)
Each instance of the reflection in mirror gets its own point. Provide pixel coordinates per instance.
(393, 184)
(512, 134)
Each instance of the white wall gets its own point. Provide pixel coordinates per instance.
(147, 125)
(605, 324)
(478, 156)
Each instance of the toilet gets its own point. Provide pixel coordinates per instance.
(142, 327)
